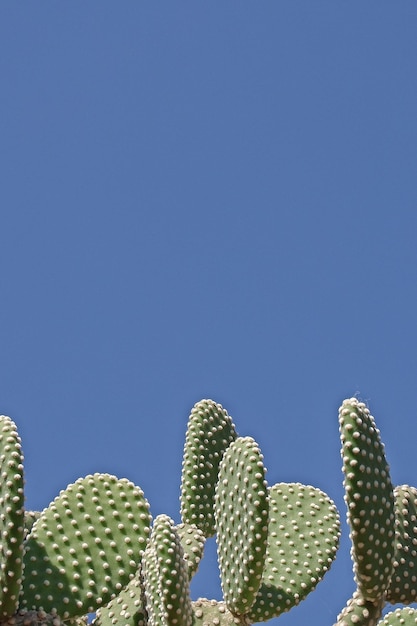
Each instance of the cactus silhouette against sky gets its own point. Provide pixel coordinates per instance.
(95, 551)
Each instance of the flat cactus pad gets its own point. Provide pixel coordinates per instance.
(403, 585)
(303, 538)
(85, 547)
(210, 431)
(369, 497)
(166, 577)
(242, 508)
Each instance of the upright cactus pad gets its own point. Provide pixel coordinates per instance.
(303, 538)
(210, 432)
(403, 585)
(166, 577)
(85, 547)
(242, 506)
(11, 517)
(369, 498)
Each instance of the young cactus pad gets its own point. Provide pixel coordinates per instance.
(403, 585)
(11, 517)
(85, 547)
(210, 431)
(369, 498)
(166, 577)
(242, 507)
(303, 538)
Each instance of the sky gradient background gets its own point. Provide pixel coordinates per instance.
(208, 200)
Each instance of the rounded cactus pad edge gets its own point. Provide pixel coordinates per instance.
(369, 497)
(85, 547)
(210, 431)
(303, 538)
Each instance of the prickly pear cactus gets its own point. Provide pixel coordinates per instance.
(166, 577)
(12, 524)
(303, 538)
(369, 499)
(241, 511)
(210, 432)
(85, 547)
(403, 584)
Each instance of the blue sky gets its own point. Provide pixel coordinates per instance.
(208, 200)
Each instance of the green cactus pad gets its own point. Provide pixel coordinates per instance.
(126, 609)
(85, 547)
(360, 612)
(213, 613)
(11, 517)
(166, 577)
(303, 538)
(241, 508)
(369, 499)
(403, 585)
(400, 617)
(210, 431)
(192, 541)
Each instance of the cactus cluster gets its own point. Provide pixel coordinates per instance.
(383, 525)
(95, 553)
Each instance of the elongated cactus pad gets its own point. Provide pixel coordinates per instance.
(126, 609)
(210, 432)
(85, 547)
(303, 538)
(192, 541)
(166, 577)
(400, 617)
(369, 499)
(361, 612)
(403, 585)
(213, 613)
(242, 509)
(11, 517)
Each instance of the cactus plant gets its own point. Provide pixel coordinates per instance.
(95, 549)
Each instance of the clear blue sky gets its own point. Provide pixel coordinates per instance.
(208, 200)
